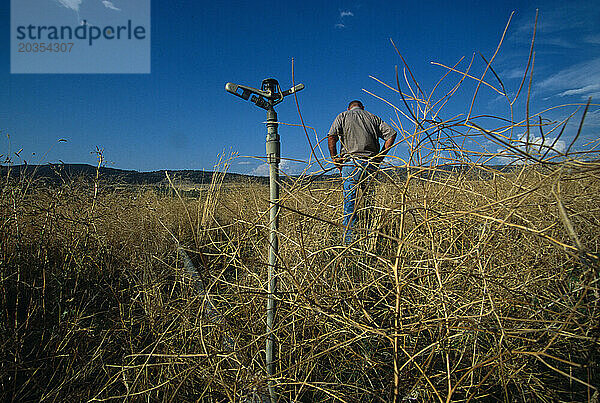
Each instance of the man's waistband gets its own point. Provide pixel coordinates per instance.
(355, 157)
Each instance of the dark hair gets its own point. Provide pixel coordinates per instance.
(356, 102)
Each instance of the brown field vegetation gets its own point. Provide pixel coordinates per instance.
(458, 288)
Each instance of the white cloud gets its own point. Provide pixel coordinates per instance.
(344, 14)
(542, 145)
(580, 79)
(516, 72)
(537, 146)
(292, 167)
(261, 170)
(592, 118)
(593, 39)
(72, 4)
(583, 90)
(286, 167)
(567, 25)
(109, 4)
(559, 42)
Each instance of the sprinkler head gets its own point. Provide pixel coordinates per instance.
(267, 97)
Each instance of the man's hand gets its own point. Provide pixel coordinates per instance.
(332, 140)
(386, 147)
(339, 162)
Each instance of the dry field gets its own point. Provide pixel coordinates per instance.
(462, 286)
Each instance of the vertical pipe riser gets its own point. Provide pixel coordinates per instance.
(273, 147)
(273, 157)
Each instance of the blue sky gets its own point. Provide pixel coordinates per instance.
(180, 117)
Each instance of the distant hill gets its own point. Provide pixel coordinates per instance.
(59, 173)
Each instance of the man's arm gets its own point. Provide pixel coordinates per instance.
(390, 135)
(388, 144)
(386, 147)
(332, 140)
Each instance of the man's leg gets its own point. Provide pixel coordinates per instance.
(367, 185)
(369, 182)
(350, 176)
(355, 176)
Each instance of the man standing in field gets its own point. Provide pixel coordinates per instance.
(359, 132)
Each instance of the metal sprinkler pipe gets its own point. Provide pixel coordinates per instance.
(267, 97)
(273, 150)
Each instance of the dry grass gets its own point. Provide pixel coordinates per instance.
(467, 289)
(467, 285)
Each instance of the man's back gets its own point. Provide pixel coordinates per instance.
(359, 132)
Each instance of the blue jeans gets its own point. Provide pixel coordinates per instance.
(355, 174)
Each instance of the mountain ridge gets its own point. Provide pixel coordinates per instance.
(57, 173)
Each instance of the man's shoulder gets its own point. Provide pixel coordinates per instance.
(365, 114)
(354, 113)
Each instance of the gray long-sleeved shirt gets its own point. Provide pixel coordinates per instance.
(359, 132)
